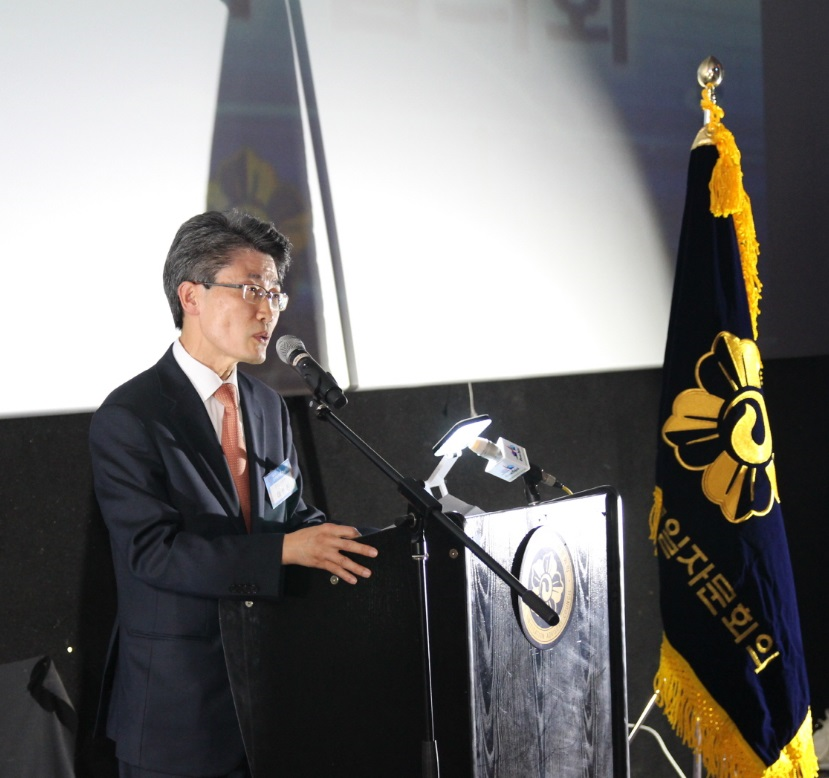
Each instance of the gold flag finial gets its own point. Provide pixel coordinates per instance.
(710, 74)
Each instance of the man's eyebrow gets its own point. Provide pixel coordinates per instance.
(259, 277)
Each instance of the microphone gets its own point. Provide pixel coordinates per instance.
(508, 461)
(291, 351)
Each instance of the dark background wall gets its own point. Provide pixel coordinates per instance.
(793, 262)
(589, 430)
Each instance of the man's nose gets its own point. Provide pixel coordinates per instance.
(264, 312)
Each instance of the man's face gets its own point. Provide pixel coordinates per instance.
(228, 329)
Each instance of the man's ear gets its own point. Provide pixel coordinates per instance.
(189, 298)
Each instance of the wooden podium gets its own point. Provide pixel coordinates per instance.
(329, 681)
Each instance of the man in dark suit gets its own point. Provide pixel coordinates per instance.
(183, 533)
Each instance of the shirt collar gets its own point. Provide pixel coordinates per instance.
(204, 380)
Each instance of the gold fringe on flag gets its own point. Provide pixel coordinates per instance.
(729, 198)
(655, 515)
(705, 727)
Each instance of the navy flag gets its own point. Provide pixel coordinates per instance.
(732, 679)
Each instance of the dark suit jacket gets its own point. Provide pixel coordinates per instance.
(179, 544)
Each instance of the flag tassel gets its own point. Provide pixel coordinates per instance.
(729, 198)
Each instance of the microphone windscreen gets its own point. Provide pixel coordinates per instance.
(287, 345)
(484, 448)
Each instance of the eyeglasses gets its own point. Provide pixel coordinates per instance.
(254, 294)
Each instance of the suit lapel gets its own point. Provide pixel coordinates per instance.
(194, 432)
(255, 446)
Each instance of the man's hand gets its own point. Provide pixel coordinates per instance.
(321, 546)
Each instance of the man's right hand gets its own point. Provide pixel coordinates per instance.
(322, 546)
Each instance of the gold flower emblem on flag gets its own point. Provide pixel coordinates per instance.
(721, 428)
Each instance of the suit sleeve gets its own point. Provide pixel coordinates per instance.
(167, 527)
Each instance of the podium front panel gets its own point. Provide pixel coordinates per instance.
(329, 680)
(556, 706)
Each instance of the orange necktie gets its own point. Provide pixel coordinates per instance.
(234, 448)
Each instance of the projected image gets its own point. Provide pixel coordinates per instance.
(474, 190)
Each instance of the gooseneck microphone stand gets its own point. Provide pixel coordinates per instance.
(424, 507)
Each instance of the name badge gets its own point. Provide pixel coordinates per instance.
(280, 483)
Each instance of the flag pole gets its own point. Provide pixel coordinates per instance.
(710, 74)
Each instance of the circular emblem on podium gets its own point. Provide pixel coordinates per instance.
(545, 567)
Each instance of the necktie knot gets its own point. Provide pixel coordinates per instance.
(226, 395)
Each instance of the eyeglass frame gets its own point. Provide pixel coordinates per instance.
(269, 294)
